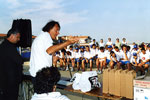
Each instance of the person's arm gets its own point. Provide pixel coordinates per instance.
(54, 48)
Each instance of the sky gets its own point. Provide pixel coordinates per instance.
(98, 19)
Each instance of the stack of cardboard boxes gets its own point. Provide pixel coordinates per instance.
(142, 88)
(118, 82)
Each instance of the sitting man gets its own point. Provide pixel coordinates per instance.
(45, 85)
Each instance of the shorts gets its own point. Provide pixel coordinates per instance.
(77, 60)
(107, 61)
(147, 63)
(124, 62)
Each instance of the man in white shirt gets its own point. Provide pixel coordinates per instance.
(125, 59)
(42, 47)
(101, 44)
(118, 43)
(124, 41)
(114, 59)
(144, 59)
(45, 85)
(101, 60)
(77, 59)
(109, 42)
(88, 57)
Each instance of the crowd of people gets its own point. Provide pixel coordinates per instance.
(118, 54)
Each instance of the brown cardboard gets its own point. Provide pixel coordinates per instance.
(105, 80)
(123, 83)
(129, 83)
(112, 81)
(118, 82)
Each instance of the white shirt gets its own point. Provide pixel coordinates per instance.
(107, 53)
(148, 52)
(101, 55)
(144, 57)
(87, 54)
(49, 96)
(39, 57)
(101, 44)
(133, 59)
(109, 43)
(76, 54)
(93, 52)
(123, 55)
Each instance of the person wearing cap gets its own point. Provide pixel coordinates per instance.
(101, 60)
(114, 59)
(144, 60)
(125, 57)
(109, 42)
(77, 59)
(135, 50)
(118, 43)
(88, 57)
(107, 53)
(135, 61)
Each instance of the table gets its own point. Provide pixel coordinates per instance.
(97, 92)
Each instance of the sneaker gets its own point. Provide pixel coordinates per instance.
(67, 69)
(72, 69)
(99, 72)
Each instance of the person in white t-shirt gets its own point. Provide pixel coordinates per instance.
(62, 59)
(124, 41)
(77, 59)
(94, 52)
(135, 61)
(114, 59)
(101, 60)
(101, 44)
(43, 49)
(144, 60)
(109, 42)
(88, 57)
(45, 85)
(125, 59)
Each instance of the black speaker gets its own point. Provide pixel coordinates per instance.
(25, 29)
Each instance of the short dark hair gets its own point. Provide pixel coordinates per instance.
(50, 25)
(45, 80)
(12, 31)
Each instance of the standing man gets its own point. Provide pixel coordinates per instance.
(43, 49)
(10, 66)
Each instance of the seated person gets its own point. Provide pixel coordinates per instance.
(101, 60)
(88, 57)
(135, 60)
(144, 60)
(76, 59)
(114, 59)
(62, 59)
(45, 85)
(125, 59)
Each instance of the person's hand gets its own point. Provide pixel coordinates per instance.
(73, 39)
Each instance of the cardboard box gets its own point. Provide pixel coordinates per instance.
(112, 81)
(105, 80)
(123, 83)
(141, 93)
(130, 76)
(118, 82)
(142, 81)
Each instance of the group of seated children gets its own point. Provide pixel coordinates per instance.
(137, 57)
